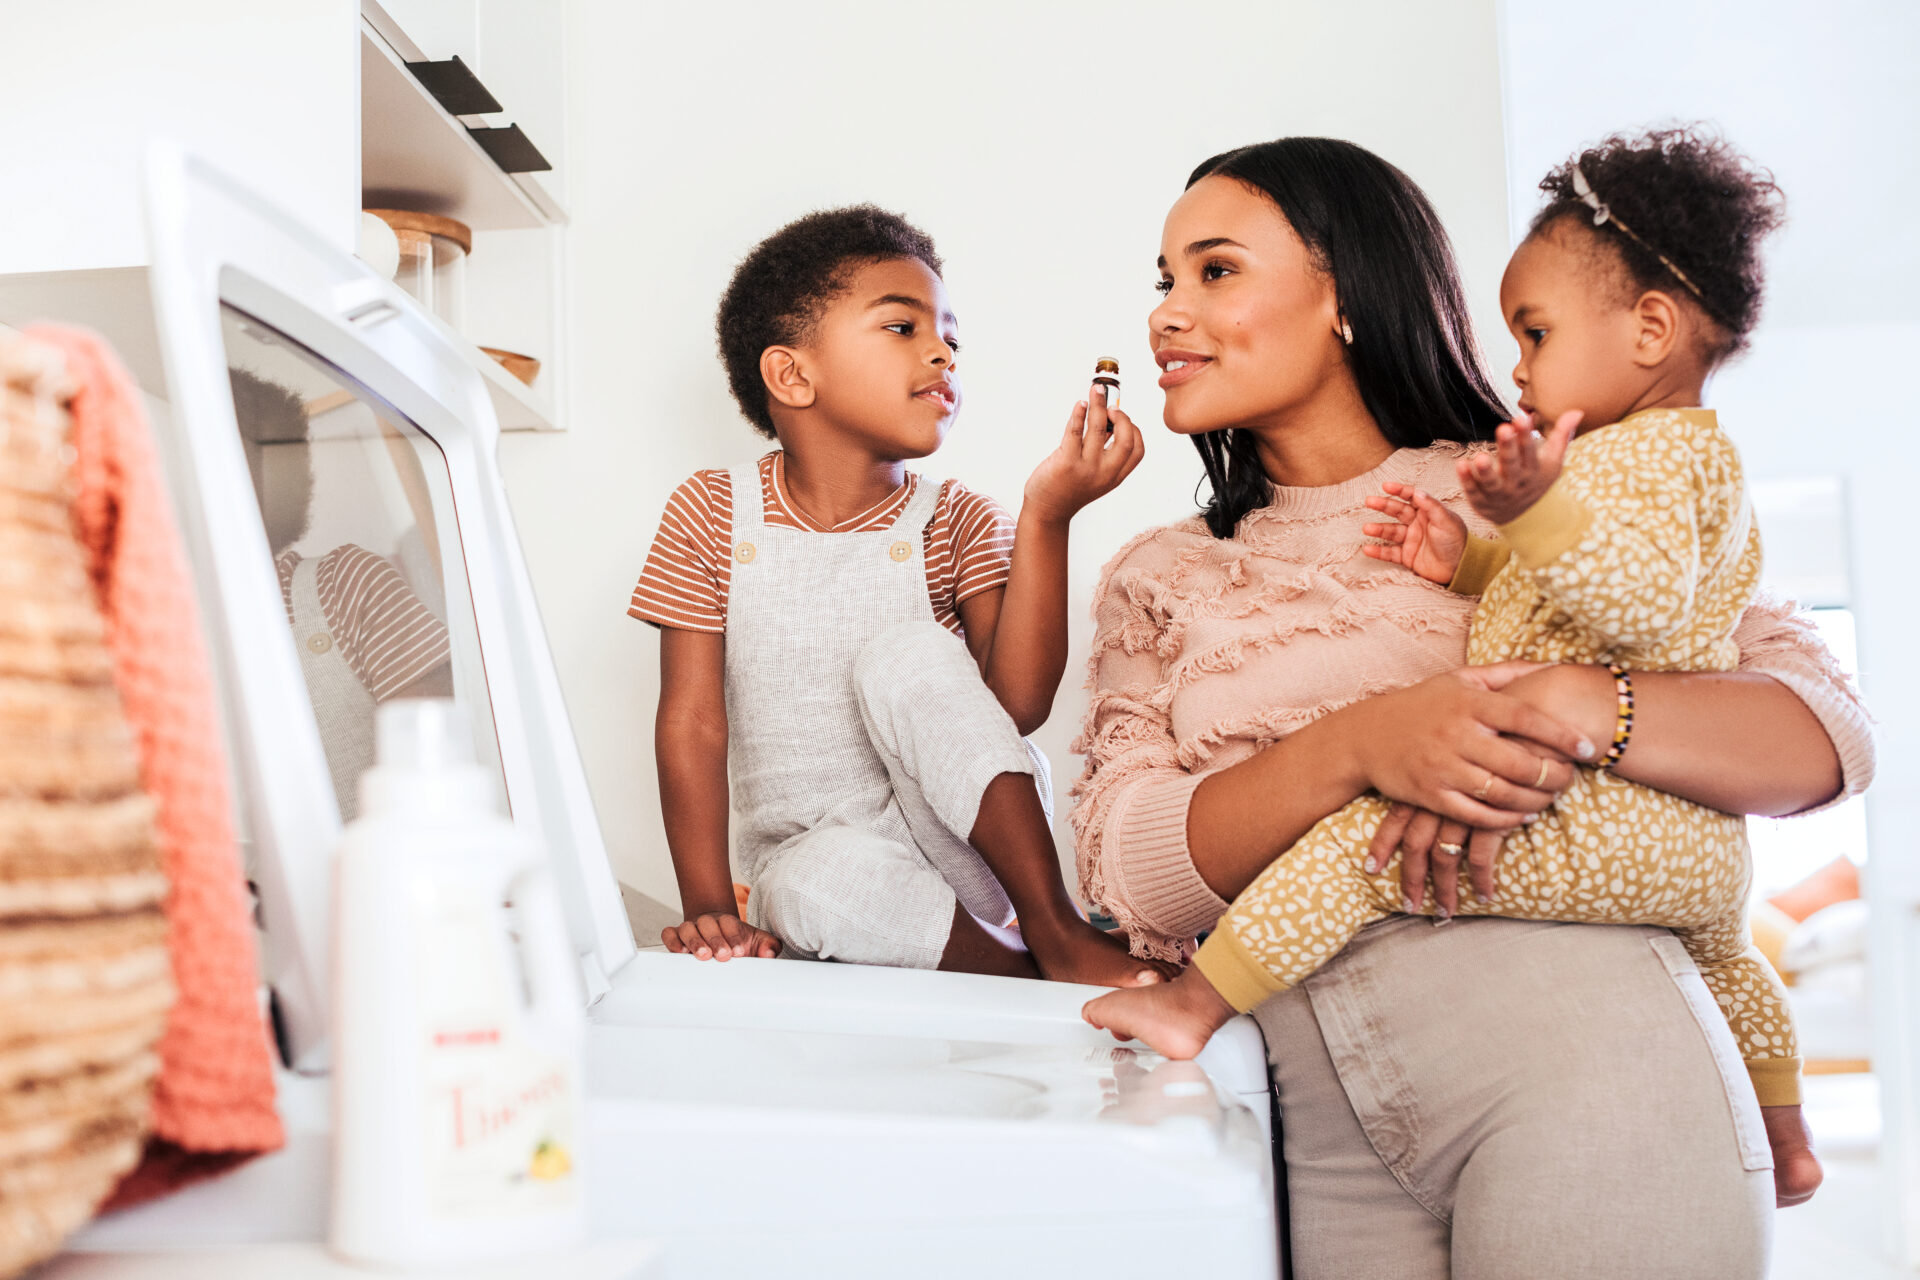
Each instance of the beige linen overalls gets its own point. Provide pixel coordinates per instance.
(860, 738)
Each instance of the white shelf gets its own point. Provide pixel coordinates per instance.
(518, 406)
(413, 155)
(117, 303)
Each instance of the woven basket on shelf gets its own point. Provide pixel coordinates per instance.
(84, 977)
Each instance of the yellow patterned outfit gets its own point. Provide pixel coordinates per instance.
(1645, 553)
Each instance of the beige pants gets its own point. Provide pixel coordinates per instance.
(1516, 1100)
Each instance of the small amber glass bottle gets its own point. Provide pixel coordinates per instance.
(1106, 376)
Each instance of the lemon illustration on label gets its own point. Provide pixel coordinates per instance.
(550, 1162)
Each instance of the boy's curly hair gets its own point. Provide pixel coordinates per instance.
(781, 288)
(1687, 194)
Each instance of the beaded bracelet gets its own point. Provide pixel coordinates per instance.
(1623, 725)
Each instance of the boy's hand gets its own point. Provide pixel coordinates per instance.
(1089, 462)
(1426, 538)
(1502, 484)
(716, 935)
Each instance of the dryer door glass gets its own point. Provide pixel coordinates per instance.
(358, 511)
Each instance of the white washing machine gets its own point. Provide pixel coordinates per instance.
(822, 1119)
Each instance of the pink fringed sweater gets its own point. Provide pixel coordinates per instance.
(1207, 650)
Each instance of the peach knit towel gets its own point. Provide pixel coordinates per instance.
(214, 1104)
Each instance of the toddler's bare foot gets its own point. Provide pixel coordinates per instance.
(1796, 1170)
(1176, 1019)
(1075, 951)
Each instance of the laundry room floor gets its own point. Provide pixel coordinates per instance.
(1839, 1233)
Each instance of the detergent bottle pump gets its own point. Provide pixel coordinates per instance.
(457, 1017)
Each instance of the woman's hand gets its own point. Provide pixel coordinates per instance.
(1097, 451)
(1439, 848)
(1436, 847)
(1453, 744)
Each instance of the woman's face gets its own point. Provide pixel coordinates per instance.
(1247, 331)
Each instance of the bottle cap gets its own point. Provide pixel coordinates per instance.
(1106, 364)
(424, 733)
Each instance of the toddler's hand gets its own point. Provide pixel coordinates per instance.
(1088, 463)
(1427, 538)
(718, 936)
(1502, 484)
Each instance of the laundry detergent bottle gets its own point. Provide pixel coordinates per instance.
(457, 1015)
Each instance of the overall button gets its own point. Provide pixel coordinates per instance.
(745, 553)
(900, 551)
(319, 642)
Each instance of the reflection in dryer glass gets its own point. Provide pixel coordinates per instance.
(358, 510)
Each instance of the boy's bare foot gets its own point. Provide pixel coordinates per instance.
(1176, 1018)
(1796, 1170)
(1075, 951)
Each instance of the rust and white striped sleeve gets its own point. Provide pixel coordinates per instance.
(385, 633)
(981, 537)
(684, 582)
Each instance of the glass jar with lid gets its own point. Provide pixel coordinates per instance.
(433, 260)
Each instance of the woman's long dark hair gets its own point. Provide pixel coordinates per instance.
(1413, 354)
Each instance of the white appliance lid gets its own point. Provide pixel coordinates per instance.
(224, 263)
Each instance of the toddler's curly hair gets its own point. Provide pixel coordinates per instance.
(781, 288)
(1688, 195)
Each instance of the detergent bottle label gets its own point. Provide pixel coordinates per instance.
(500, 1114)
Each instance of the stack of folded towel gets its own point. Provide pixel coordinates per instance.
(85, 978)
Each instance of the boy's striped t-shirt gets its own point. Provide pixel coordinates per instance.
(969, 547)
(388, 637)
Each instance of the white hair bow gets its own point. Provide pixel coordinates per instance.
(1603, 214)
(1584, 189)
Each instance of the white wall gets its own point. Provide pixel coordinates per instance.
(1039, 144)
(1823, 95)
(270, 91)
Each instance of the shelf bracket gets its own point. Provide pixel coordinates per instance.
(511, 149)
(455, 87)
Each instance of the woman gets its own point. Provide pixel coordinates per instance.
(1448, 1107)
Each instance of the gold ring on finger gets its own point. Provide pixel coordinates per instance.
(1485, 789)
(1451, 850)
(1540, 783)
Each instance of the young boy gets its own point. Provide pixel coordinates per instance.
(849, 655)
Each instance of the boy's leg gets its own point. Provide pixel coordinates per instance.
(966, 788)
(844, 893)
(976, 947)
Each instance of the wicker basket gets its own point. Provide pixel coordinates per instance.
(84, 977)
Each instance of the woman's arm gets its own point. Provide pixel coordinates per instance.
(1736, 741)
(1784, 734)
(1163, 850)
(1442, 744)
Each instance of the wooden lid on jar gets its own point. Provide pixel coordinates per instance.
(431, 223)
